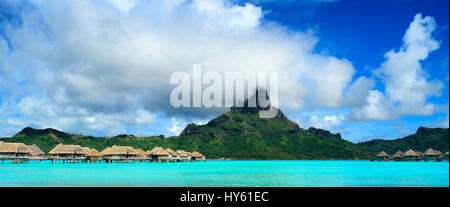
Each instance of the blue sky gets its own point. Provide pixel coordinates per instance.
(363, 31)
(365, 69)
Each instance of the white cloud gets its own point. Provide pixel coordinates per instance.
(227, 15)
(377, 108)
(42, 113)
(123, 5)
(108, 62)
(407, 87)
(358, 91)
(324, 122)
(92, 65)
(177, 126)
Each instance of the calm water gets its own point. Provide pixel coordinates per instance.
(228, 173)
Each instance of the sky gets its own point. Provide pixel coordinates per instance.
(364, 69)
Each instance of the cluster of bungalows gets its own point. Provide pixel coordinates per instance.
(21, 153)
(74, 153)
(161, 154)
(123, 154)
(411, 155)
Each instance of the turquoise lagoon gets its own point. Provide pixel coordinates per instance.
(229, 173)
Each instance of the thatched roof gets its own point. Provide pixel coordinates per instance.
(119, 150)
(86, 149)
(68, 149)
(158, 151)
(196, 154)
(431, 152)
(398, 154)
(105, 150)
(182, 153)
(36, 151)
(141, 153)
(383, 154)
(93, 153)
(411, 153)
(14, 148)
(170, 151)
(149, 152)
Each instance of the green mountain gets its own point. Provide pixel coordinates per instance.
(424, 138)
(241, 134)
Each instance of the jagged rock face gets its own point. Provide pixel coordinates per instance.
(190, 128)
(319, 132)
(239, 117)
(423, 130)
(254, 105)
(322, 132)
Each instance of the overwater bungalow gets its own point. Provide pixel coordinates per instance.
(183, 155)
(93, 156)
(142, 155)
(119, 153)
(398, 155)
(158, 153)
(16, 152)
(382, 156)
(445, 156)
(86, 149)
(175, 156)
(419, 154)
(37, 153)
(411, 155)
(197, 156)
(431, 155)
(68, 152)
(105, 150)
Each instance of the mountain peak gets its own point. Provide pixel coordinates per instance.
(245, 119)
(254, 105)
(190, 128)
(422, 129)
(28, 131)
(322, 132)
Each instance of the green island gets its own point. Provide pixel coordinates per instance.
(241, 134)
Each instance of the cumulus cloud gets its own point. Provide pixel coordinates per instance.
(377, 108)
(406, 83)
(110, 58)
(105, 65)
(358, 92)
(177, 126)
(322, 122)
(42, 113)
